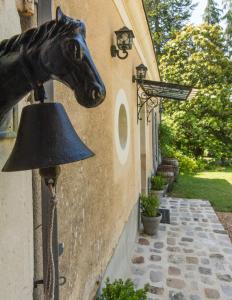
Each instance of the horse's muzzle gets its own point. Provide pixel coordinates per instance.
(93, 97)
(97, 93)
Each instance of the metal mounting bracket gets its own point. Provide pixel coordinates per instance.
(152, 92)
(143, 98)
(62, 281)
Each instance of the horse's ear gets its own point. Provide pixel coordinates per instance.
(59, 15)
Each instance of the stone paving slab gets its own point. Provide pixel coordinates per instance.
(189, 259)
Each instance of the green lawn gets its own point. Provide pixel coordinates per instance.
(215, 186)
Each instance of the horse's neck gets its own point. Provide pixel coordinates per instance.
(13, 82)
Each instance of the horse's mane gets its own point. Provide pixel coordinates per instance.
(36, 36)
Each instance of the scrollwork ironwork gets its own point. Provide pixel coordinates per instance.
(150, 93)
(143, 98)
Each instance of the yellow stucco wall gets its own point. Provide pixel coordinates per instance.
(16, 223)
(96, 196)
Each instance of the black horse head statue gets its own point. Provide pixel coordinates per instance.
(55, 50)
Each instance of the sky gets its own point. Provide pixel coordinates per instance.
(199, 10)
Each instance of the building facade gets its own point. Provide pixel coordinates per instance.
(98, 210)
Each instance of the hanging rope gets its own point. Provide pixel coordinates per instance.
(49, 283)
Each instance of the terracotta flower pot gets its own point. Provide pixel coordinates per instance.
(167, 171)
(170, 161)
(173, 162)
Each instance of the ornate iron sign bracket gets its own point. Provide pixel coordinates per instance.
(150, 93)
(143, 98)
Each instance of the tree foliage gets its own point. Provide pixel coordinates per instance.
(228, 30)
(165, 18)
(212, 13)
(196, 57)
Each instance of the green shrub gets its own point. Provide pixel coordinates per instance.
(157, 182)
(187, 164)
(202, 164)
(168, 146)
(191, 165)
(149, 205)
(166, 139)
(120, 290)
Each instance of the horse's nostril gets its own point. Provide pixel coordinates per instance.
(95, 93)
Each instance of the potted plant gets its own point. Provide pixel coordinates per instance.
(150, 214)
(120, 290)
(157, 185)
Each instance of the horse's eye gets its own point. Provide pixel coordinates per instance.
(78, 54)
(76, 51)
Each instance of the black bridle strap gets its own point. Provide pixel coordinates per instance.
(39, 93)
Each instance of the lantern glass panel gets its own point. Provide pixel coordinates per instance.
(141, 74)
(141, 71)
(130, 41)
(123, 41)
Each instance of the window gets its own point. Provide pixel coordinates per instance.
(122, 124)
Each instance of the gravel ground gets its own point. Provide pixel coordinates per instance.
(226, 220)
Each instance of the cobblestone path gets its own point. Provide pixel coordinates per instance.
(189, 259)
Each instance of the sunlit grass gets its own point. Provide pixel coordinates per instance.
(215, 186)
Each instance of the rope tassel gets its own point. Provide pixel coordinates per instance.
(49, 283)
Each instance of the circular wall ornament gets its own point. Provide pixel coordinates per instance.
(122, 126)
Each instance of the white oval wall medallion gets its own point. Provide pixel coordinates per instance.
(122, 126)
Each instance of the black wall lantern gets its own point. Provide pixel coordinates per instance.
(124, 42)
(141, 73)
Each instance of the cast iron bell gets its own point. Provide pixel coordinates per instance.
(46, 138)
